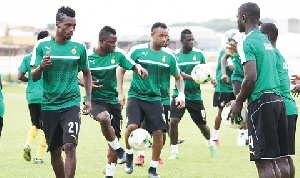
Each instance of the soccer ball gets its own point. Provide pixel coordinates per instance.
(201, 73)
(139, 139)
(229, 37)
(235, 123)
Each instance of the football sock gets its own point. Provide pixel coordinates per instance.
(153, 163)
(174, 148)
(129, 151)
(246, 133)
(42, 146)
(141, 152)
(215, 135)
(110, 169)
(240, 132)
(32, 133)
(209, 143)
(114, 144)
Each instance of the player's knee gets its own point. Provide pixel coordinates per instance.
(56, 152)
(174, 121)
(103, 118)
(69, 148)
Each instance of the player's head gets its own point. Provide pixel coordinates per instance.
(159, 34)
(108, 39)
(270, 30)
(187, 39)
(42, 35)
(65, 22)
(248, 13)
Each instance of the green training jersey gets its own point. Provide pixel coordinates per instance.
(60, 85)
(103, 69)
(256, 47)
(1, 102)
(283, 73)
(160, 65)
(186, 63)
(165, 87)
(224, 87)
(34, 90)
(238, 72)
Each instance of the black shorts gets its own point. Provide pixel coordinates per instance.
(236, 85)
(151, 111)
(61, 126)
(194, 107)
(35, 114)
(166, 115)
(221, 99)
(292, 122)
(267, 128)
(115, 112)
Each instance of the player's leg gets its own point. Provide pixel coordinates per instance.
(175, 116)
(198, 115)
(101, 114)
(112, 162)
(53, 135)
(32, 133)
(156, 125)
(265, 168)
(220, 104)
(70, 123)
(42, 142)
(283, 166)
(292, 122)
(133, 112)
(141, 154)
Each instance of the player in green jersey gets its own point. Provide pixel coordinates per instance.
(57, 60)
(1, 107)
(188, 57)
(144, 96)
(267, 121)
(103, 62)
(223, 92)
(34, 93)
(271, 32)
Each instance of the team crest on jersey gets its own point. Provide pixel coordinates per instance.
(73, 51)
(113, 60)
(194, 58)
(164, 59)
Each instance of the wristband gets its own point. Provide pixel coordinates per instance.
(181, 96)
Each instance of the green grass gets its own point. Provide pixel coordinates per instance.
(195, 160)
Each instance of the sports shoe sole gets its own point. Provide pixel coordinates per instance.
(27, 155)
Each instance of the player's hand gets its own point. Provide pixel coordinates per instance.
(180, 100)
(232, 45)
(95, 86)
(235, 109)
(46, 61)
(143, 72)
(295, 79)
(87, 109)
(224, 78)
(122, 99)
(213, 82)
(296, 90)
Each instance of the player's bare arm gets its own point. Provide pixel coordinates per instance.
(248, 86)
(186, 76)
(295, 79)
(225, 77)
(88, 90)
(120, 75)
(180, 99)
(22, 77)
(36, 72)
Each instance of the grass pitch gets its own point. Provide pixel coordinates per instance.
(194, 161)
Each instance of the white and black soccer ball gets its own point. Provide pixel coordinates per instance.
(201, 73)
(229, 37)
(235, 123)
(139, 139)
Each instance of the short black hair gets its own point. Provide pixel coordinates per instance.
(271, 30)
(106, 31)
(42, 34)
(185, 32)
(64, 11)
(157, 25)
(251, 10)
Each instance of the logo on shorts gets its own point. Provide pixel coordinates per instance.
(252, 152)
(73, 51)
(74, 137)
(113, 60)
